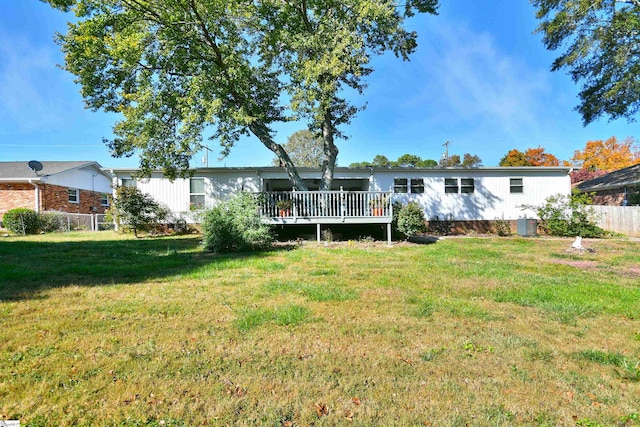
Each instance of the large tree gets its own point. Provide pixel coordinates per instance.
(304, 149)
(607, 155)
(531, 157)
(602, 42)
(182, 70)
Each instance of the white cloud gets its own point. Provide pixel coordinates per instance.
(477, 84)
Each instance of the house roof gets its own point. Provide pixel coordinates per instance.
(511, 169)
(20, 171)
(617, 179)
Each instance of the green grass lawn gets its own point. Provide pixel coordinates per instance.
(103, 329)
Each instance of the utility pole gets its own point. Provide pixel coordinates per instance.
(446, 153)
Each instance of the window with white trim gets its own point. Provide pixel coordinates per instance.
(128, 182)
(451, 185)
(196, 193)
(400, 185)
(417, 185)
(467, 185)
(459, 185)
(74, 195)
(104, 199)
(516, 186)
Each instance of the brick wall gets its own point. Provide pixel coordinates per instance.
(52, 198)
(609, 197)
(56, 198)
(16, 196)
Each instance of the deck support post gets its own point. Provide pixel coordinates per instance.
(318, 232)
(389, 233)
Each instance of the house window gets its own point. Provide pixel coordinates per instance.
(451, 185)
(417, 185)
(104, 199)
(467, 185)
(74, 195)
(196, 193)
(400, 185)
(515, 186)
(128, 182)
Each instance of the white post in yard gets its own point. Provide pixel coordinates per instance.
(389, 233)
(318, 231)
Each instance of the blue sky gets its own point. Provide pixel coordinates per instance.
(480, 79)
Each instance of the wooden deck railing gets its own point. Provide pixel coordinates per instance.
(318, 205)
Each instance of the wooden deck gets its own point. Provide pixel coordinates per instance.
(327, 207)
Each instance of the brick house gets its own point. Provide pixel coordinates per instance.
(75, 187)
(618, 188)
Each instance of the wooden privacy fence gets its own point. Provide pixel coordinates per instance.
(621, 219)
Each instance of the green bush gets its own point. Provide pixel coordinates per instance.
(51, 222)
(411, 219)
(502, 227)
(135, 210)
(236, 226)
(21, 221)
(569, 216)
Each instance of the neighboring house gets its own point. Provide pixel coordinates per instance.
(618, 188)
(75, 187)
(474, 195)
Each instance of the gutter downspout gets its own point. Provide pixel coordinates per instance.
(37, 201)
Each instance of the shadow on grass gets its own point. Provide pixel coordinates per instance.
(27, 267)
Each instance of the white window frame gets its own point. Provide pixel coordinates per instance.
(76, 197)
(128, 182)
(401, 185)
(460, 186)
(466, 188)
(449, 186)
(417, 185)
(104, 199)
(193, 195)
(513, 186)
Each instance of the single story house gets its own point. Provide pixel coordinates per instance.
(618, 188)
(69, 186)
(474, 197)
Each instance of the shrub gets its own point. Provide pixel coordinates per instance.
(51, 222)
(569, 216)
(135, 210)
(21, 221)
(411, 219)
(502, 227)
(236, 226)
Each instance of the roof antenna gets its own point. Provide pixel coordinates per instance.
(35, 166)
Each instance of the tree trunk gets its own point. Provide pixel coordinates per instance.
(330, 153)
(262, 133)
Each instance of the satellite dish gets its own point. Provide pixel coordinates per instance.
(35, 166)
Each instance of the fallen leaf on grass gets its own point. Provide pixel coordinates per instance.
(356, 401)
(321, 409)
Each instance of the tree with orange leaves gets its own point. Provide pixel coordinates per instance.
(607, 155)
(531, 157)
(537, 157)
